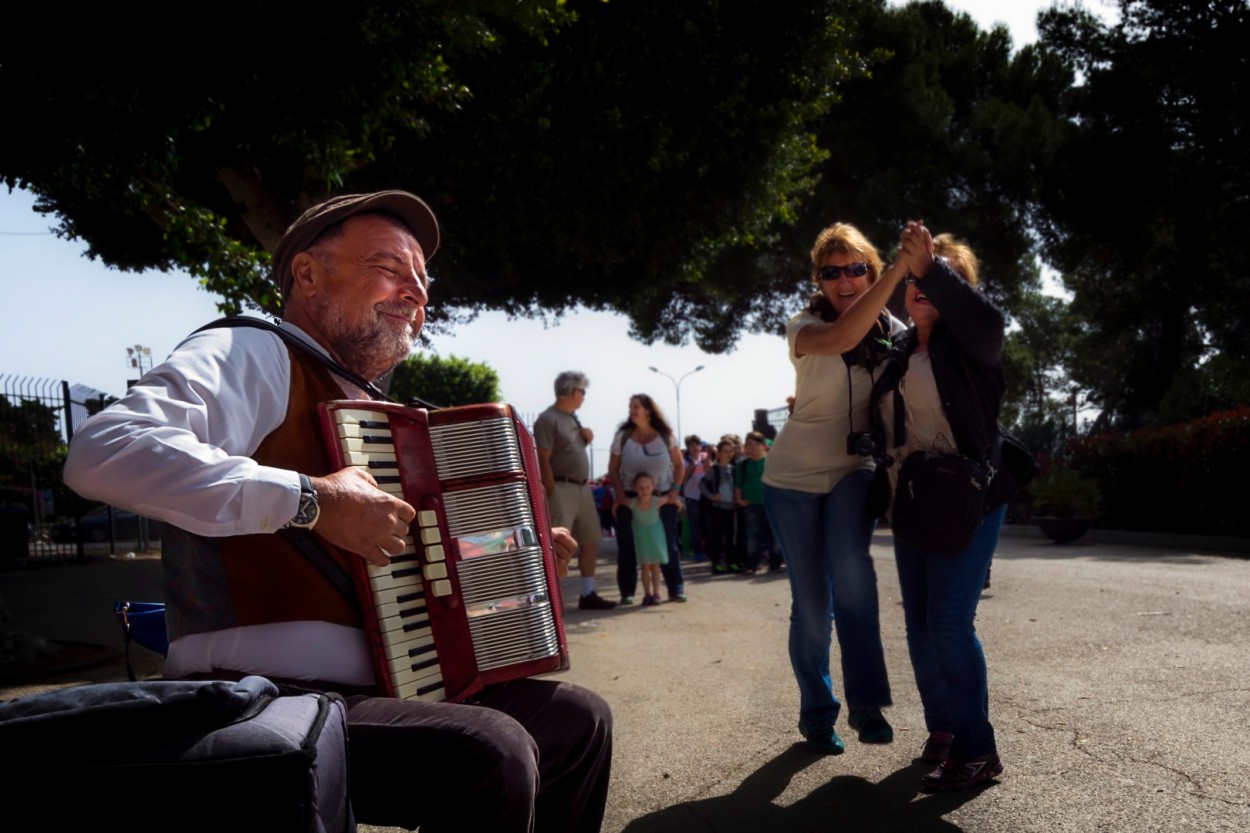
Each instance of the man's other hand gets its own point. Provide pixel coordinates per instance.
(359, 517)
(564, 547)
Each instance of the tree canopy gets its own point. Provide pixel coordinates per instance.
(576, 153)
(947, 125)
(1144, 204)
(674, 161)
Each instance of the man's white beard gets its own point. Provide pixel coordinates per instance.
(368, 350)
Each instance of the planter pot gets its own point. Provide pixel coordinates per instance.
(1063, 530)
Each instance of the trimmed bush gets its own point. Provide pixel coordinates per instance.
(1186, 478)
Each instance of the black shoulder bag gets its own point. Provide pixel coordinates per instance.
(940, 498)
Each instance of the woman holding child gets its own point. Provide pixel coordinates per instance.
(816, 485)
(645, 443)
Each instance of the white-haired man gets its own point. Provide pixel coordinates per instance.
(561, 442)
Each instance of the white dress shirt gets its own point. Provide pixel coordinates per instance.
(177, 448)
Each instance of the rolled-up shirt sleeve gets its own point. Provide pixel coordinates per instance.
(177, 447)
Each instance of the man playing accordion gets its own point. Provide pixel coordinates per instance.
(222, 442)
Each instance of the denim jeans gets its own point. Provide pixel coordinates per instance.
(940, 595)
(695, 525)
(825, 539)
(761, 544)
(627, 558)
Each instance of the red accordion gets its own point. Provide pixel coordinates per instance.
(474, 599)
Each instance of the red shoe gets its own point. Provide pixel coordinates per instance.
(955, 774)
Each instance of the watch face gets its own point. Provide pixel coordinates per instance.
(306, 514)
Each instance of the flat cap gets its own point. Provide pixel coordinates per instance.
(408, 208)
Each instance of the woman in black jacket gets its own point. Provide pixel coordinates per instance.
(948, 373)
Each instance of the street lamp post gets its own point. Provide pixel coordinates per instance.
(677, 385)
(138, 356)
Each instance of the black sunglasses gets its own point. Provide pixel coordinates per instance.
(851, 270)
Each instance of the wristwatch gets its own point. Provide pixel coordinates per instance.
(308, 512)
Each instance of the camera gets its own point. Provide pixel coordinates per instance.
(862, 443)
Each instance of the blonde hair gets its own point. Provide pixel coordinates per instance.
(959, 255)
(845, 238)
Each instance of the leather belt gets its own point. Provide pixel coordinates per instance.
(561, 479)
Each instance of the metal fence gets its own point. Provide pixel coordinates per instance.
(38, 513)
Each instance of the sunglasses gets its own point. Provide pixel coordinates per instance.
(851, 270)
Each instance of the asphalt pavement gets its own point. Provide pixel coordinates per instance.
(1118, 672)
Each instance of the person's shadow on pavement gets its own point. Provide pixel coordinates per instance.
(847, 804)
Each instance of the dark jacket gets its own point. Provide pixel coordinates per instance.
(966, 351)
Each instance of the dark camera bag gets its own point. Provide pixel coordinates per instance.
(939, 501)
(177, 756)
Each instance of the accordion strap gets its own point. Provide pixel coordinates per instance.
(316, 555)
(307, 545)
(299, 344)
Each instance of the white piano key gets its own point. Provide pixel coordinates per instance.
(393, 595)
(364, 458)
(354, 415)
(379, 443)
(396, 648)
(410, 691)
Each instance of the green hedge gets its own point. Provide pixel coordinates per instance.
(1186, 478)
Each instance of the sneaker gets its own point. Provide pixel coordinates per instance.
(955, 774)
(648, 601)
(593, 601)
(823, 740)
(680, 597)
(937, 748)
(626, 601)
(871, 725)
(719, 568)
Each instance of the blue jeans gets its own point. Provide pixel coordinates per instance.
(761, 543)
(695, 523)
(627, 558)
(940, 595)
(825, 539)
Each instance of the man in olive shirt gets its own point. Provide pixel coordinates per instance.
(562, 441)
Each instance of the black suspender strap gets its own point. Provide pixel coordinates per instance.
(296, 342)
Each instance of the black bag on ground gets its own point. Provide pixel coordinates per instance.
(939, 501)
(177, 756)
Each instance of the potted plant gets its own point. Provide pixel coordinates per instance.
(1066, 503)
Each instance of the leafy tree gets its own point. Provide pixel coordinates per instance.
(946, 125)
(27, 425)
(444, 382)
(577, 153)
(1144, 206)
(32, 452)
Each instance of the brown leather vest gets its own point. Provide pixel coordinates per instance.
(217, 583)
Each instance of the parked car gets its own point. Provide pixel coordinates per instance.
(94, 527)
